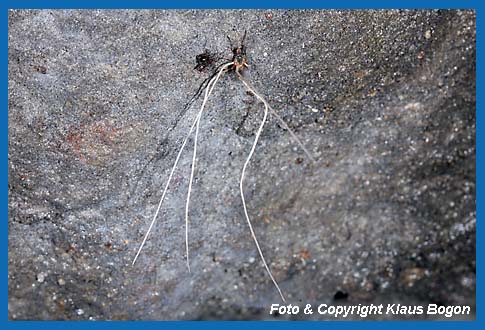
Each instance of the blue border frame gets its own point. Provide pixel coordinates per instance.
(283, 4)
(185, 4)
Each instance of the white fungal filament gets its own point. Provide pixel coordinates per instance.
(209, 89)
(196, 123)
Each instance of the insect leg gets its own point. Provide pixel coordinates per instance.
(243, 38)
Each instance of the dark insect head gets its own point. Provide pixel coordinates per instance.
(204, 60)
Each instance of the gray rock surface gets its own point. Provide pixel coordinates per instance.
(384, 99)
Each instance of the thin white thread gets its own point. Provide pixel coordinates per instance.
(208, 92)
(173, 170)
(209, 88)
(258, 133)
(273, 112)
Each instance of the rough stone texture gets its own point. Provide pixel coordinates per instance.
(384, 99)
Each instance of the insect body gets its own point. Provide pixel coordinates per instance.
(239, 56)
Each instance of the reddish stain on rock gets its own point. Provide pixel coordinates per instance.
(94, 142)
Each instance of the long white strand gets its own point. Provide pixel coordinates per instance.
(273, 112)
(208, 92)
(242, 191)
(170, 179)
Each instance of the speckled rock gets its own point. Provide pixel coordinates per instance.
(385, 100)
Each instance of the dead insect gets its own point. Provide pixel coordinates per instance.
(237, 64)
(209, 59)
(204, 60)
(239, 60)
